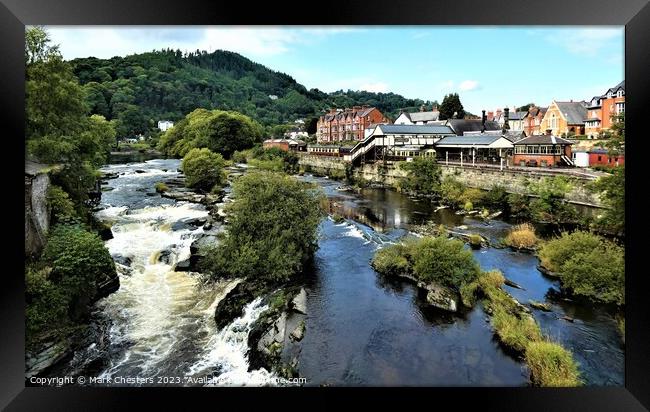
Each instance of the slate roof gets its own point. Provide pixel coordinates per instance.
(460, 126)
(574, 112)
(517, 115)
(542, 139)
(415, 129)
(479, 140)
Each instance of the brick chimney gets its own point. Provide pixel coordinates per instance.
(483, 119)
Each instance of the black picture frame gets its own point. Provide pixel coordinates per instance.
(634, 14)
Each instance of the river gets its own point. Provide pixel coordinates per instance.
(362, 329)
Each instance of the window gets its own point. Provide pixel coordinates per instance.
(599, 158)
(619, 93)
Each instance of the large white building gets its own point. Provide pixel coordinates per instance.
(163, 125)
(420, 117)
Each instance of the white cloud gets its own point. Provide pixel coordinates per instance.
(467, 85)
(376, 87)
(106, 42)
(587, 41)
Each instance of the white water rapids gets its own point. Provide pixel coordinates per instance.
(163, 320)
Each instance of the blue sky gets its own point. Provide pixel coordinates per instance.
(489, 67)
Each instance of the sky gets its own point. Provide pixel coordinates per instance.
(489, 67)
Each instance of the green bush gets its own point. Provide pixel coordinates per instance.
(473, 196)
(588, 266)
(551, 205)
(430, 259)
(519, 206)
(451, 191)
(423, 176)
(598, 274)
(47, 304)
(203, 169)
(392, 260)
(554, 253)
(161, 187)
(551, 365)
(79, 262)
(272, 231)
(475, 241)
(496, 198)
(61, 206)
(274, 159)
(240, 156)
(612, 190)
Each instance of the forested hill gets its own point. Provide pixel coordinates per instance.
(140, 89)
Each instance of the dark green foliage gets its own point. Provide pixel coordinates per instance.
(451, 107)
(497, 199)
(423, 176)
(61, 207)
(141, 89)
(272, 229)
(519, 206)
(612, 192)
(47, 304)
(78, 259)
(58, 128)
(203, 169)
(551, 205)
(588, 265)
(220, 131)
(430, 259)
(274, 159)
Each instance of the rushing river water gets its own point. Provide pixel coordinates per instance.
(362, 329)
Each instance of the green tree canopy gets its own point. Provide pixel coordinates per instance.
(272, 231)
(220, 131)
(451, 105)
(203, 169)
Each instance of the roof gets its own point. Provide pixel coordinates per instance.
(517, 115)
(424, 116)
(459, 126)
(574, 112)
(543, 139)
(514, 135)
(482, 140)
(289, 141)
(535, 110)
(415, 129)
(599, 150)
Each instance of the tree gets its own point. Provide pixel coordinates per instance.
(203, 169)
(525, 107)
(551, 206)
(451, 107)
(612, 191)
(272, 231)
(220, 131)
(423, 176)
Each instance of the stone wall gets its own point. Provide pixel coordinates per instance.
(481, 178)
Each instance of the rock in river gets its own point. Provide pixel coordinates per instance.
(299, 303)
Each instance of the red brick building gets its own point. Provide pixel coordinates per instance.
(602, 158)
(347, 124)
(533, 120)
(542, 151)
(602, 108)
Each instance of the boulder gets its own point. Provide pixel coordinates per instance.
(105, 233)
(298, 333)
(202, 241)
(140, 171)
(165, 256)
(546, 307)
(184, 266)
(440, 296)
(299, 302)
(123, 260)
